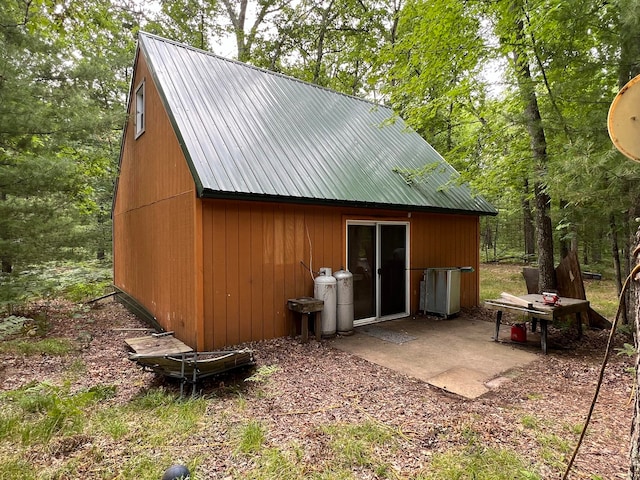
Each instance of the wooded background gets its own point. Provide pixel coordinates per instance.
(513, 93)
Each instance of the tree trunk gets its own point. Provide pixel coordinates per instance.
(244, 40)
(538, 143)
(565, 237)
(324, 27)
(7, 265)
(634, 451)
(547, 273)
(615, 253)
(529, 227)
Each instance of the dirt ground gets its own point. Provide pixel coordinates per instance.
(317, 384)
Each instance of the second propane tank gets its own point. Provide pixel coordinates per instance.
(324, 288)
(344, 300)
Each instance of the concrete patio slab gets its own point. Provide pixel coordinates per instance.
(457, 355)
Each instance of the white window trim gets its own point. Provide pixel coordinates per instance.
(140, 109)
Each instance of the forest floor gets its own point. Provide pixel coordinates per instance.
(310, 392)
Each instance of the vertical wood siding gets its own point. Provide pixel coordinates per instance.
(253, 254)
(446, 241)
(155, 219)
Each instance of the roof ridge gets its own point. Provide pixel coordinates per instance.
(142, 33)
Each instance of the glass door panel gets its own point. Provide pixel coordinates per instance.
(361, 261)
(393, 259)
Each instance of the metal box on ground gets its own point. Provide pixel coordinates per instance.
(440, 291)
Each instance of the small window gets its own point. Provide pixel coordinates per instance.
(140, 110)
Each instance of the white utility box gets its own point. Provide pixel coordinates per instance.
(440, 291)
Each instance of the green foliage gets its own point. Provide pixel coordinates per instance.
(276, 463)
(76, 281)
(16, 468)
(38, 411)
(263, 374)
(529, 421)
(12, 325)
(64, 78)
(628, 350)
(153, 399)
(159, 416)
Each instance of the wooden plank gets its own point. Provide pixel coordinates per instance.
(531, 275)
(166, 345)
(569, 277)
(257, 281)
(516, 300)
(245, 273)
(571, 285)
(218, 247)
(232, 274)
(208, 275)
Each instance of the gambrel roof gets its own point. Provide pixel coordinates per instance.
(254, 134)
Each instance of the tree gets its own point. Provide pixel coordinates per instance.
(511, 30)
(187, 21)
(237, 12)
(60, 117)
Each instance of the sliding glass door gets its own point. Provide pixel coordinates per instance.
(377, 256)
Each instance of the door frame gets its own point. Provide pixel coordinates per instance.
(377, 224)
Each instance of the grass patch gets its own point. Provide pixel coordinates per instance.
(16, 468)
(602, 296)
(155, 418)
(497, 278)
(480, 464)
(46, 346)
(500, 277)
(357, 445)
(263, 374)
(276, 463)
(529, 421)
(150, 466)
(250, 437)
(554, 450)
(36, 412)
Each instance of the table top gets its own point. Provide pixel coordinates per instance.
(539, 309)
(305, 304)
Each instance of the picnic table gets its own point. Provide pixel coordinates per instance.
(534, 310)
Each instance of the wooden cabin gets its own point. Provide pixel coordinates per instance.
(237, 184)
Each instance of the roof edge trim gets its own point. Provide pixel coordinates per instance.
(217, 195)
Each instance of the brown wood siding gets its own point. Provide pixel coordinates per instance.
(253, 254)
(156, 221)
(446, 241)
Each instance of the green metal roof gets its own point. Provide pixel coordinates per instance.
(250, 133)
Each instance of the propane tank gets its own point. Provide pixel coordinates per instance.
(324, 288)
(344, 300)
